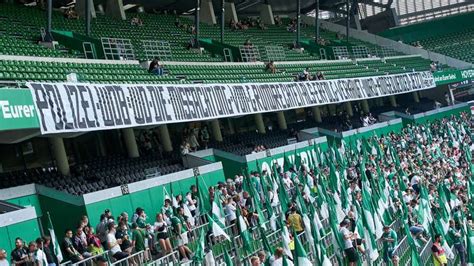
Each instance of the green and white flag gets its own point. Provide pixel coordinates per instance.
(204, 203)
(286, 241)
(217, 211)
(300, 253)
(199, 253)
(54, 240)
(370, 226)
(228, 260)
(217, 228)
(244, 232)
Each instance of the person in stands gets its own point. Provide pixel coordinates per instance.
(390, 241)
(161, 229)
(3, 258)
(67, 248)
(80, 243)
(295, 221)
(20, 254)
(181, 227)
(279, 257)
(455, 234)
(348, 238)
(138, 238)
(155, 67)
(270, 67)
(113, 244)
(47, 248)
(439, 255)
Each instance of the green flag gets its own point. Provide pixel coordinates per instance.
(286, 163)
(297, 161)
(244, 232)
(54, 240)
(217, 228)
(300, 253)
(199, 253)
(204, 203)
(228, 260)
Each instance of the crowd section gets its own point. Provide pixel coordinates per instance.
(401, 198)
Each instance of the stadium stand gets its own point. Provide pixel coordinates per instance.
(250, 190)
(95, 174)
(97, 72)
(452, 36)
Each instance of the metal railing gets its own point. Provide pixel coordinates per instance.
(90, 260)
(425, 253)
(166, 260)
(139, 258)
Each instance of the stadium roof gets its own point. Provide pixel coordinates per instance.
(242, 6)
(249, 7)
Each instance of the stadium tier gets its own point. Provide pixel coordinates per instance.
(56, 70)
(452, 36)
(94, 175)
(150, 142)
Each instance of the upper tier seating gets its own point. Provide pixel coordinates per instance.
(458, 45)
(27, 22)
(15, 70)
(451, 35)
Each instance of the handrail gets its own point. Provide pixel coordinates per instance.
(139, 256)
(426, 251)
(166, 260)
(83, 262)
(403, 246)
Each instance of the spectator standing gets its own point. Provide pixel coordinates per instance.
(101, 230)
(20, 253)
(3, 258)
(161, 229)
(347, 237)
(278, 258)
(295, 221)
(122, 234)
(191, 202)
(181, 227)
(205, 137)
(32, 255)
(458, 242)
(138, 238)
(166, 210)
(390, 241)
(192, 139)
(48, 251)
(439, 255)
